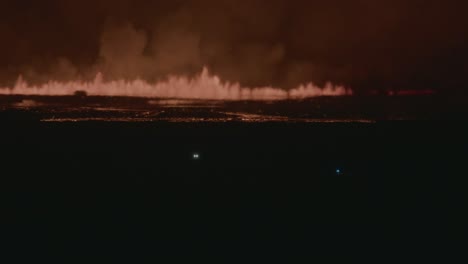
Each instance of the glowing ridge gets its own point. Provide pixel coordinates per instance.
(204, 86)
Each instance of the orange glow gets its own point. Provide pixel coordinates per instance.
(203, 86)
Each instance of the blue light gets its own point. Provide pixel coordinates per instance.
(338, 171)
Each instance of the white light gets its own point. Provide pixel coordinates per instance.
(196, 156)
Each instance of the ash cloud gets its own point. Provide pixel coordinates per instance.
(363, 44)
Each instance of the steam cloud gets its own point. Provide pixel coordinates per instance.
(362, 44)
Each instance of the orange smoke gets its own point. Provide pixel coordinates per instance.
(204, 86)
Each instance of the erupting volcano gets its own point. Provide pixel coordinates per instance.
(204, 86)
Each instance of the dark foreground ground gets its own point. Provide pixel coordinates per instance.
(132, 191)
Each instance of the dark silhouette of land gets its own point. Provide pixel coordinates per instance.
(267, 190)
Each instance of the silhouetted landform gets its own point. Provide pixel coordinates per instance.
(80, 94)
(259, 190)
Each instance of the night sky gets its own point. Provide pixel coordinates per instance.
(365, 44)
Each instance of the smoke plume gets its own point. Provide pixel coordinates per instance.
(363, 44)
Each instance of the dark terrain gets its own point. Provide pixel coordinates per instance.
(116, 179)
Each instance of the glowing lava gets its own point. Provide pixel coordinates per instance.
(204, 86)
